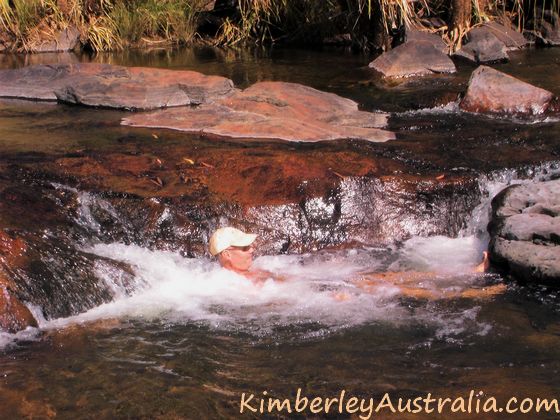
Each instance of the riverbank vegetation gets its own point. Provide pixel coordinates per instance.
(365, 24)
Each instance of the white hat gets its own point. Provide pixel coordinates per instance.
(225, 237)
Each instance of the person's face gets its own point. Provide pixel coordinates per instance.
(237, 258)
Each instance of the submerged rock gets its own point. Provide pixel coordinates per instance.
(413, 58)
(273, 110)
(112, 86)
(525, 230)
(492, 91)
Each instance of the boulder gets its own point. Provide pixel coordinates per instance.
(413, 58)
(483, 46)
(492, 91)
(525, 231)
(66, 40)
(423, 36)
(545, 28)
(111, 86)
(273, 110)
(549, 33)
(512, 39)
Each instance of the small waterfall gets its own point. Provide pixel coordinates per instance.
(115, 253)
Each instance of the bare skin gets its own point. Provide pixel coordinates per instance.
(240, 259)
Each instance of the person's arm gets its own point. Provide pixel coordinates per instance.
(260, 276)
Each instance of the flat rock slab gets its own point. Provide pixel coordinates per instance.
(104, 85)
(492, 91)
(273, 110)
(525, 229)
(414, 58)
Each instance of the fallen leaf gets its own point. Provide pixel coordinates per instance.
(155, 136)
(440, 177)
(156, 180)
(337, 174)
(189, 161)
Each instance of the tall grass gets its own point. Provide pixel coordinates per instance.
(116, 24)
(103, 24)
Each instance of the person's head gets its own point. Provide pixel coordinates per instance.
(233, 248)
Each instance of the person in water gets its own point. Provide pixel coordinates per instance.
(234, 250)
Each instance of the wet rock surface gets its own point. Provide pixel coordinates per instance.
(14, 315)
(166, 189)
(172, 195)
(495, 92)
(274, 110)
(413, 58)
(104, 85)
(525, 229)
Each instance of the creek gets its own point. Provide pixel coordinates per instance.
(135, 321)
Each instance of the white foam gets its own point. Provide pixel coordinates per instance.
(181, 290)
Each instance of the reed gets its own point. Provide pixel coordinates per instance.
(104, 24)
(116, 24)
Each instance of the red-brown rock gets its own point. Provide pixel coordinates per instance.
(496, 92)
(274, 110)
(14, 315)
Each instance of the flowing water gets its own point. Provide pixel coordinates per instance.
(182, 338)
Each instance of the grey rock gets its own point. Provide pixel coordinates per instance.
(416, 35)
(66, 40)
(110, 86)
(545, 28)
(512, 39)
(414, 58)
(483, 46)
(525, 231)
